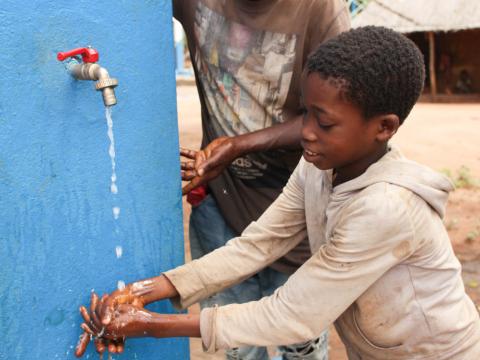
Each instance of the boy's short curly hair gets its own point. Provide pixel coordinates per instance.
(377, 69)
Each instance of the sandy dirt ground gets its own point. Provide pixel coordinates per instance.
(445, 137)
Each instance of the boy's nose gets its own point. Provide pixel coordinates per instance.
(307, 131)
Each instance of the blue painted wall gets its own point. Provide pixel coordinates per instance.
(57, 231)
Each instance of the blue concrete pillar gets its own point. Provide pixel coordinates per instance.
(58, 235)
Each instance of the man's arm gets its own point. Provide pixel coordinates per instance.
(286, 135)
(209, 162)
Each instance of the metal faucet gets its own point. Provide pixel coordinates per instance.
(89, 70)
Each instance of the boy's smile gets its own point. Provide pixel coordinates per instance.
(336, 135)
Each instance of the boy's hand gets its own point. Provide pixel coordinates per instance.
(207, 163)
(128, 321)
(93, 330)
(103, 310)
(131, 294)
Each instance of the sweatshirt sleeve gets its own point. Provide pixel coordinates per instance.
(373, 234)
(276, 232)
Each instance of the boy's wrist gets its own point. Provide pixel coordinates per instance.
(155, 327)
(161, 289)
(176, 325)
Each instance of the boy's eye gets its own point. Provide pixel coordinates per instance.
(325, 126)
(323, 123)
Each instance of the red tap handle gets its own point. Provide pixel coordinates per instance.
(89, 55)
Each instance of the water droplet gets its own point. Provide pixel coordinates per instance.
(120, 285)
(118, 251)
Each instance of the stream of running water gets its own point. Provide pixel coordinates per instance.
(113, 185)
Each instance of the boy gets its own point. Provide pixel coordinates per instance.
(382, 266)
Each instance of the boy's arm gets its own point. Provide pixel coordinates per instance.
(275, 233)
(278, 230)
(131, 321)
(375, 235)
(139, 293)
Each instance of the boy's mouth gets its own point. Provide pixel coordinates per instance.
(311, 153)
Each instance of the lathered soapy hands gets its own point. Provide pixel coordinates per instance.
(113, 317)
(121, 314)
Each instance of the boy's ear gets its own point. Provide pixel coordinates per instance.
(387, 126)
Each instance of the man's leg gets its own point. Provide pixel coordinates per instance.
(209, 231)
(316, 349)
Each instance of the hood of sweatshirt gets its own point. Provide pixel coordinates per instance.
(394, 168)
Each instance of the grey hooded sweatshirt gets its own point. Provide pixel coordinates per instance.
(383, 269)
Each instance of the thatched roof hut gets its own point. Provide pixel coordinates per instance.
(439, 21)
(407, 16)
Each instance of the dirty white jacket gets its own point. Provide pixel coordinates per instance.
(382, 269)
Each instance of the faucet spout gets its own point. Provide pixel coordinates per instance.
(90, 70)
(104, 83)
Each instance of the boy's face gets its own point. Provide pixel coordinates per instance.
(335, 135)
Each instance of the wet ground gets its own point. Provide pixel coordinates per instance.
(442, 136)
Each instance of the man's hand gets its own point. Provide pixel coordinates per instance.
(208, 163)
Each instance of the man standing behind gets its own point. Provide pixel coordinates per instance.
(248, 57)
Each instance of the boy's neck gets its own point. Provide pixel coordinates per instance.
(342, 175)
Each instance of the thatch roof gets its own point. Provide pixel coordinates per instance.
(408, 16)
